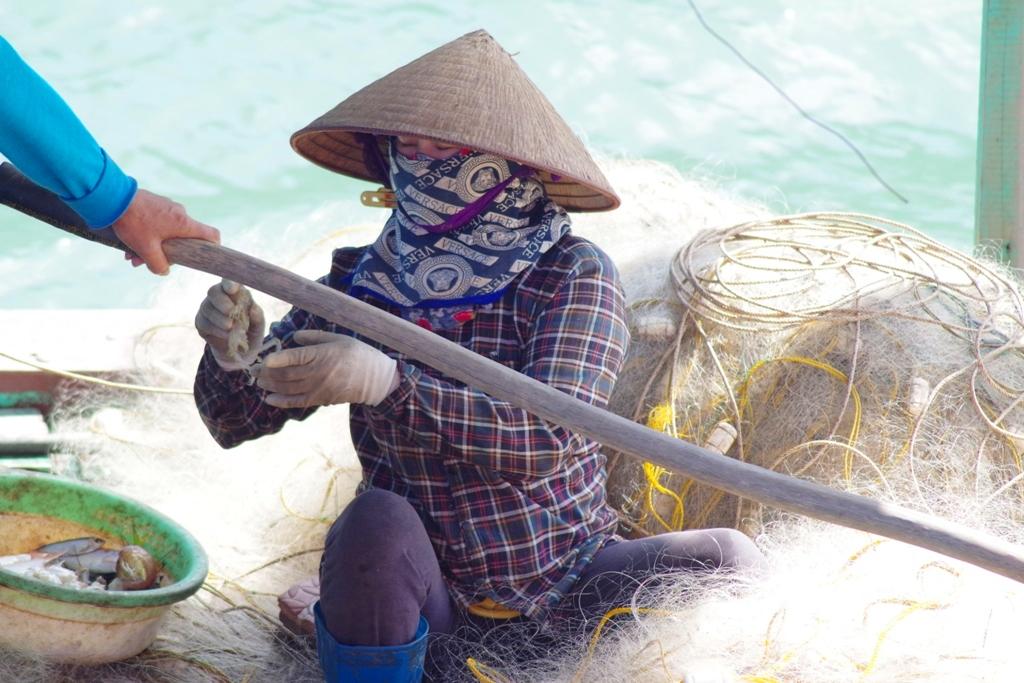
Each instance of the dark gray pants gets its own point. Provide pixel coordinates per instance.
(379, 572)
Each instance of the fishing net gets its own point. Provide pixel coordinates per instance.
(846, 349)
(841, 348)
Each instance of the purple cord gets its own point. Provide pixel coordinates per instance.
(472, 210)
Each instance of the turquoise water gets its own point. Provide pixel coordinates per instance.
(198, 99)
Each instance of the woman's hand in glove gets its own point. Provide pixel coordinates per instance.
(231, 324)
(327, 368)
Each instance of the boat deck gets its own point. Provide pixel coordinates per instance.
(94, 343)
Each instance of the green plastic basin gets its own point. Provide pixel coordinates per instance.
(86, 626)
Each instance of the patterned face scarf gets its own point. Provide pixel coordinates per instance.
(463, 229)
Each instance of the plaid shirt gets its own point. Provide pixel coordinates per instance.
(513, 505)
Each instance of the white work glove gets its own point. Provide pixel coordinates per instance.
(231, 324)
(327, 368)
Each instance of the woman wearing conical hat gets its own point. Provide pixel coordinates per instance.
(470, 510)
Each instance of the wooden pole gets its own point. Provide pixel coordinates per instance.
(743, 479)
(999, 198)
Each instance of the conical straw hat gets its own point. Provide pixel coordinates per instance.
(470, 93)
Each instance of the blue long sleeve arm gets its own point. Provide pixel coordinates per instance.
(42, 137)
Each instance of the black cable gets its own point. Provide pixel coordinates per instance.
(796, 106)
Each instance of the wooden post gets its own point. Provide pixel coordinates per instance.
(999, 198)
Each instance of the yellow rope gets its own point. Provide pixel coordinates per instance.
(95, 380)
(608, 616)
(332, 482)
(484, 673)
(662, 418)
(862, 552)
(912, 607)
(838, 375)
